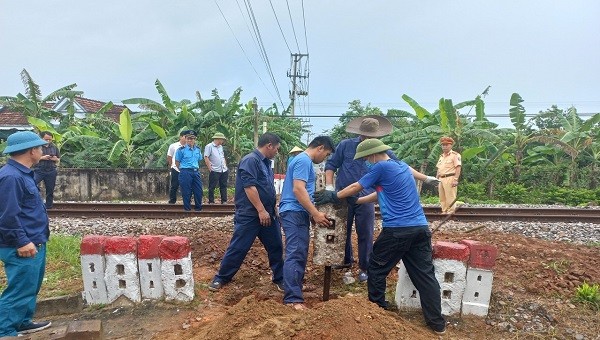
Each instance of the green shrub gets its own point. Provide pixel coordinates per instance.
(588, 294)
(512, 193)
(566, 196)
(471, 192)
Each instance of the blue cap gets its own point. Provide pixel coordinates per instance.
(23, 140)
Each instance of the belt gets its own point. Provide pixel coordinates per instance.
(189, 169)
(447, 175)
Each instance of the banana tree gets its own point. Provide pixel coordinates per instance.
(33, 104)
(578, 135)
(124, 148)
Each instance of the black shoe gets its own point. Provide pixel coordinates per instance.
(215, 285)
(171, 202)
(279, 286)
(33, 327)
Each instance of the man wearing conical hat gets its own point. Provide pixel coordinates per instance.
(214, 157)
(405, 235)
(24, 232)
(350, 170)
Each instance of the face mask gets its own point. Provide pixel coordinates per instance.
(369, 165)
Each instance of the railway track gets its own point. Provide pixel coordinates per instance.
(463, 214)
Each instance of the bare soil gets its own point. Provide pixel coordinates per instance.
(532, 298)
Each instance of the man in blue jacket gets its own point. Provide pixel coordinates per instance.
(255, 214)
(187, 159)
(24, 231)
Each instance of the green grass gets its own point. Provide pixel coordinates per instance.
(588, 294)
(63, 268)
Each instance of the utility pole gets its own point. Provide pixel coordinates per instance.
(295, 74)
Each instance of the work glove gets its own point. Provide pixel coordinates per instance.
(326, 196)
(430, 180)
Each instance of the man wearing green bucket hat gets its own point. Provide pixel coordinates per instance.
(405, 235)
(214, 157)
(24, 231)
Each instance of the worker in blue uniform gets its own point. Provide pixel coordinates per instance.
(255, 214)
(187, 159)
(24, 232)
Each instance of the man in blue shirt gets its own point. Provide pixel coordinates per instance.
(296, 210)
(405, 235)
(350, 170)
(255, 214)
(187, 159)
(24, 231)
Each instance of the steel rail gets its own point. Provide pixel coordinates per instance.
(465, 214)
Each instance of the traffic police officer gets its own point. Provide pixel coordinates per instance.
(187, 159)
(448, 172)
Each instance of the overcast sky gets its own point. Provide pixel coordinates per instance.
(375, 51)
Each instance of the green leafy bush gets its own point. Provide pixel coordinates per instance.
(556, 195)
(512, 193)
(588, 294)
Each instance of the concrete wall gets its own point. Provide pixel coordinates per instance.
(117, 184)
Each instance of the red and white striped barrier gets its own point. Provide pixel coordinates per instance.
(464, 272)
(121, 273)
(478, 292)
(121, 268)
(149, 266)
(92, 268)
(176, 268)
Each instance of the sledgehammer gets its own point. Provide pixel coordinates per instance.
(448, 217)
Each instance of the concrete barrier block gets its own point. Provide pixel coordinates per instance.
(93, 268)
(452, 276)
(121, 273)
(407, 296)
(482, 256)
(476, 299)
(450, 251)
(149, 267)
(176, 268)
(84, 330)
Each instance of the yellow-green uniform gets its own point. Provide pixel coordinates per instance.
(448, 171)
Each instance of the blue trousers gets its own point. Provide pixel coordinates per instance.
(412, 245)
(49, 179)
(190, 182)
(24, 276)
(363, 216)
(245, 231)
(296, 226)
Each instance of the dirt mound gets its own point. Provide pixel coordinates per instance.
(335, 319)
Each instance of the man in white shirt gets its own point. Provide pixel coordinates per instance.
(174, 170)
(214, 157)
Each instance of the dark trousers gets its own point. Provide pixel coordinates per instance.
(296, 226)
(245, 231)
(214, 179)
(174, 185)
(363, 217)
(190, 182)
(412, 245)
(49, 178)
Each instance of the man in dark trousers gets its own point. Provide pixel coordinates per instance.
(24, 231)
(45, 170)
(255, 214)
(174, 184)
(214, 157)
(405, 235)
(187, 159)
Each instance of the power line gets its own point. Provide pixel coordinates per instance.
(292, 21)
(280, 29)
(262, 46)
(304, 21)
(245, 54)
(252, 32)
